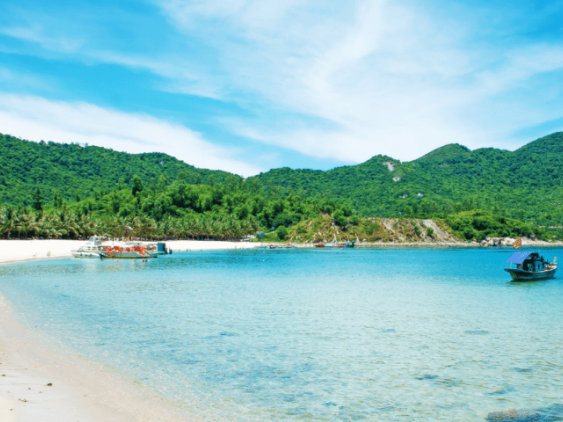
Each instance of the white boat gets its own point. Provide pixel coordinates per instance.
(91, 249)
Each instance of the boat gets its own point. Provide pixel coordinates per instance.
(278, 246)
(91, 249)
(345, 244)
(127, 252)
(530, 266)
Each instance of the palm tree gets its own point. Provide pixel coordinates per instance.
(8, 221)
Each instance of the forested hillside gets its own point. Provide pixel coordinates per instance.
(524, 184)
(74, 171)
(60, 190)
(104, 184)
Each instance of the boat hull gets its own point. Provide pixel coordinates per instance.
(125, 255)
(92, 254)
(521, 275)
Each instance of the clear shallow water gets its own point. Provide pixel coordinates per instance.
(394, 335)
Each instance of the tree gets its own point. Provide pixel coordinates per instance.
(340, 219)
(281, 232)
(137, 185)
(37, 200)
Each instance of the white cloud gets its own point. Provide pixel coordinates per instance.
(345, 80)
(37, 35)
(385, 77)
(38, 119)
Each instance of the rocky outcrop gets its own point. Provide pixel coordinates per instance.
(497, 241)
(505, 242)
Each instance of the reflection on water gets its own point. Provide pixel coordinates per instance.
(395, 335)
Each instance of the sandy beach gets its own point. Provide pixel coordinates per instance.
(80, 390)
(38, 382)
(26, 250)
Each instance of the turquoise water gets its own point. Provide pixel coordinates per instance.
(394, 335)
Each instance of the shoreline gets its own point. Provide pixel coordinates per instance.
(12, 251)
(30, 250)
(80, 390)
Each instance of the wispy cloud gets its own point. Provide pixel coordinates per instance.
(342, 80)
(38, 119)
(388, 78)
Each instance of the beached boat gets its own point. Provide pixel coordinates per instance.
(530, 266)
(127, 252)
(345, 244)
(278, 246)
(160, 248)
(91, 249)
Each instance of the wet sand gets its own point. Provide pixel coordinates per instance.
(80, 391)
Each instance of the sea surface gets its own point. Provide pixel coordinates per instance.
(309, 335)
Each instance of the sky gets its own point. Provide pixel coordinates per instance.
(250, 85)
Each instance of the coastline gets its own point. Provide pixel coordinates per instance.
(29, 250)
(80, 390)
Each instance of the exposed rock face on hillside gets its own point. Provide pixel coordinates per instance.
(368, 230)
(382, 232)
(405, 230)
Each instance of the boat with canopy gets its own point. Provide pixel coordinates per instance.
(530, 266)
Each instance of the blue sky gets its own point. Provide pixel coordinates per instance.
(246, 85)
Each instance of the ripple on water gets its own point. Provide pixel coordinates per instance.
(310, 335)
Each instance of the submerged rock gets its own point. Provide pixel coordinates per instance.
(547, 414)
(427, 377)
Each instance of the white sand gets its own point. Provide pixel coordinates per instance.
(24, 250)
(80, 391)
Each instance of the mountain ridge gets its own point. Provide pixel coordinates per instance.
(526, 183)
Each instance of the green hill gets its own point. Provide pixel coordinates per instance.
(79, 171)
(524, 184)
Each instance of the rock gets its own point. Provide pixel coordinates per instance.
(50, 384)
(508, 241)
(547, 414)
(390, 165)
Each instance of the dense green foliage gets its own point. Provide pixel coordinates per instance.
(525, 184)
(482, 224)
(225, 210)
(61, 190)
(73, 171)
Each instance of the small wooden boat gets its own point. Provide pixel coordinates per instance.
(319, 245)
(530, 266)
